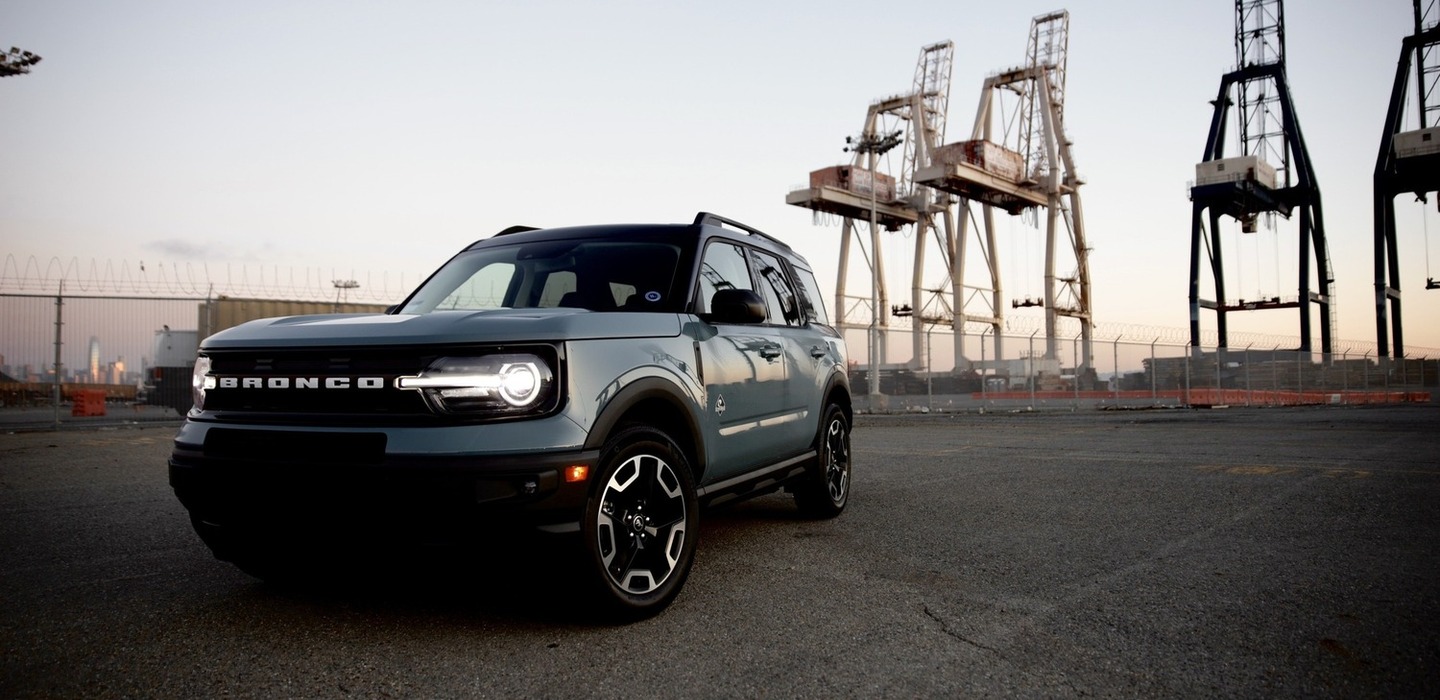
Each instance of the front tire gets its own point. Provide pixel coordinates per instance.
(641, 524)
(256, 556)
(824, 492)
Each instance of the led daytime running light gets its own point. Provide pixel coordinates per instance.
(519, 382)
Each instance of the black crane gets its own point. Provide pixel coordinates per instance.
(1272, 175)
(1409, 162)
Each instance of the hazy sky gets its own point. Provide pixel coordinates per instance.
(368, 139)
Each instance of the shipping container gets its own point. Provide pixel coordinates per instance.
(218, 314)
(1422, 142)
(857, 180)
(990, 157)
(1238, 169)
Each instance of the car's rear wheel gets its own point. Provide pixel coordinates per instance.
(641, 523)
(825, 490)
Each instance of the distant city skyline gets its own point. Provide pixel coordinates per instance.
(123, 329)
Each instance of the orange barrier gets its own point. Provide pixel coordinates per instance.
(87, 402)
(1241, 397)
(1223, 397)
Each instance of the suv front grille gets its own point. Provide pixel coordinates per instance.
(322, 381)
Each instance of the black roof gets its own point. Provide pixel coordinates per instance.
(727, 228)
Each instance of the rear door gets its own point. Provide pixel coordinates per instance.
(801, 350)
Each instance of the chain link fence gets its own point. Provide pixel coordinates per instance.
(1130, 374)
(60, 353)
(94, 359)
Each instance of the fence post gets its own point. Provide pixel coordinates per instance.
(1030, 365)
(1219, 384)
(1248, 393)
(1274, 374)
(984, 379)
(1299, 375)
(59, 340)
(1154, 395)
(1075, 355)
(1366, 377)
(1345, 371)
(1188, 356)
(1115, 360)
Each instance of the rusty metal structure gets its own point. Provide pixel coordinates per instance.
(868, 200)
(1019, 165)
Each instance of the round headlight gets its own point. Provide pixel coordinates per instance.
(200, 381)
(519, 383)
(500, 384)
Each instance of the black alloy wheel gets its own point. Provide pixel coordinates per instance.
(641, 523)
(827, 488)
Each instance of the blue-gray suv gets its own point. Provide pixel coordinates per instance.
(607, 381)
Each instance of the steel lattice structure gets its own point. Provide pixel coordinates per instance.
(1017, 166)
(1408, 162)
(1273, 175)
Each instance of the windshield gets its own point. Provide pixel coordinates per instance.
(599, 275)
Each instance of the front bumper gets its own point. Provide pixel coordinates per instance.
(350, 484)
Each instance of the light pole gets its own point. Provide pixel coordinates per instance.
(874, 145)
(342, 288)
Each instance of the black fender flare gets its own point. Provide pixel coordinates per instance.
(839, 381)
(646, 389)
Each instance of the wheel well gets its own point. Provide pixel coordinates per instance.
(662, 414)
(841, 396)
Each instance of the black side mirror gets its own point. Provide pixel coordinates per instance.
(737, 306)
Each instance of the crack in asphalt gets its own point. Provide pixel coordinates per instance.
(945, 627)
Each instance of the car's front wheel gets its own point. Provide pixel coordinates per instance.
(264, 559)
(641, 523)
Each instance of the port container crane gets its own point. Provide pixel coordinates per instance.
(1271, 175)
(1409, 162)
(1024, 165)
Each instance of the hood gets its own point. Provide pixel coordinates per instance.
(442, 328)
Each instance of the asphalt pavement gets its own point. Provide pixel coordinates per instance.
(1241, 552)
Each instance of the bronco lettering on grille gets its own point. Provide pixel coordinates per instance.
(300, 382)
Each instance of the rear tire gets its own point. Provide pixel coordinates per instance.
(825, 490)
(640, 525)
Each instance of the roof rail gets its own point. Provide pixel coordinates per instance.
(706, 217)
(517, 229)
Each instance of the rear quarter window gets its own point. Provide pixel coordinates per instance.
(810, 300)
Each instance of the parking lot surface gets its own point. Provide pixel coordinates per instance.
(1245, 552)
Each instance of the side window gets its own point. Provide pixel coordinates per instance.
(723, 267)
(810, 300)
(484, 290)
(775, 287)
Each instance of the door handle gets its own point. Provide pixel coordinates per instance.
(818, 352)
(769, 352)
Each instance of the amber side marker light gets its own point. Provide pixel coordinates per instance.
(577, 473)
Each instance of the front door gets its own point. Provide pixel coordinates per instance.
(747, 371)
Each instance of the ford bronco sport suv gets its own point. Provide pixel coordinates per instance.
(602, 380)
